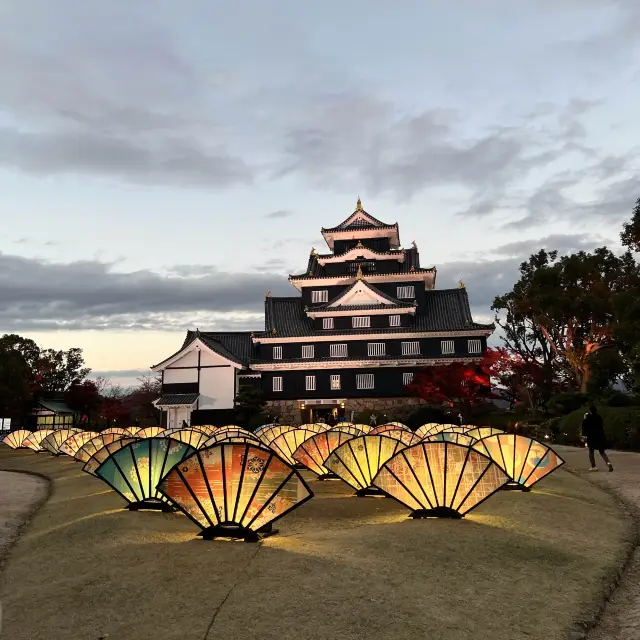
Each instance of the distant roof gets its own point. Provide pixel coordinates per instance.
(385, 296)
(446, 310)
(57, 406)
(410, 264)
(176, 399)
(233, 345)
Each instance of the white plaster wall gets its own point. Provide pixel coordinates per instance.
(172, 376)
(189, 359)
(216, 388)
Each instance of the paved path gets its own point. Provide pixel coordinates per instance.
(621, 618)
(19, 492)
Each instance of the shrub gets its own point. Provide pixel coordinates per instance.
(426, 414)
(365, 416)
(564, 403)
(615, 398)
(621, 427)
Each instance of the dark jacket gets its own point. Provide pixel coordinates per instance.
(593, 431)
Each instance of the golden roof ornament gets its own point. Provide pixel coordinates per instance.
(359, 205)
(461, 284)
(274, 331)
(412, 269)
(359, 275)
(313, 251)
(359, 245)
(414, 245)
(268, 294)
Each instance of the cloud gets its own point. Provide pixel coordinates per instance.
(92, 295)
(280, 213)
(134, 374)
(40, 295)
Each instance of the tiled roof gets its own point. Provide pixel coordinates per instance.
(233, 345)
(57, 406)
(345, 225)
(176, 399)
(328, 306)
(361, 307)
(446, 310)
(316, 270)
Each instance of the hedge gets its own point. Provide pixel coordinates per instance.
(621, 427)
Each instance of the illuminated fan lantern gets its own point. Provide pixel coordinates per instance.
(133, 431)
(73, 443)
(312, 453)
(207, 428)
(431, 428)
(135, 470)
(269, 434)
(286, 443)
(148, 432)
(54, 440)
(16, 439)
(451, 436)
(34, 441)
(264, 426)
(316, 427)
(192, 437)
(119, 431)
(397, 425)
(104, 452)
(235, 490)
(353, 430)
(391, 426)
(440, 479)
(482, 432)
(239, 435)
(525, 460)
(406, 437)
(89, 448)
(358, 460)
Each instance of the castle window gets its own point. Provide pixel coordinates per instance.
(307, 351)
(335, 383)
(277, 353)
(338, 350)
(447, 347)
(407, 378)
(319, 295)
(410, 348)
(310, 383)
(364, 381)
(474, 346)
(277, 383)
(406, 292)
(375, 348)
(360, 322)
(327, 323)
(394, 321)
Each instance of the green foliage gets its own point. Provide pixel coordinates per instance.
(15, 383)
(426, 414)
(615, 398)
(249, 408)
(621, 427)
(607, 365)
(630, 235)
(564, 403)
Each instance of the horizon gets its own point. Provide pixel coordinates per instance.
(163, 170)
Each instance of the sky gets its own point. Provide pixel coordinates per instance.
(163, 165)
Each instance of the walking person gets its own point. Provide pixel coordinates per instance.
(373, 420)
(593, 431)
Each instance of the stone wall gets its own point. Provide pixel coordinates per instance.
(396, 409)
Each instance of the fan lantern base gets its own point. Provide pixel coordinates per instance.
(370, 492)
(438, 512)
(514, 486)
(328, 476)
(299, 467)
(152, 505)
(237, 532)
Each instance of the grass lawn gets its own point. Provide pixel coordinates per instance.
(522, 566)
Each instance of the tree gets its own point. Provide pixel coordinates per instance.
(460, 385)
(84, 398)
(630, 235)
(249, 407)
(140, 400)
(570, 301)
(115, 411)
(56, 371)
(16, 390)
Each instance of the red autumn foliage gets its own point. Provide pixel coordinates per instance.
(115, 410)
(466, 385)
